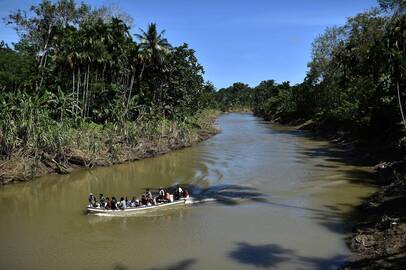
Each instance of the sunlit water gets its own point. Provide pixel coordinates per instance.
(281, 201)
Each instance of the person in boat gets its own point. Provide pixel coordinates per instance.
(185, 194)
(122, 204)
(161, 192)
(168, 197)
(102, 200)
(92, 200)
(113, 203)
(144, 200)
(108, 203)
(148, 196)
(127, 202)
(161, 195)
(178, 192)
(133, 202)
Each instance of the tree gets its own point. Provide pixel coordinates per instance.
(154, 49)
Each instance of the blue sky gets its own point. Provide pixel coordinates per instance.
(246, 41)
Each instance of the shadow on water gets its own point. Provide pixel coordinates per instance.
(269, 256)
(182, 265)
(336, 153)
(120, 266)
(343, 152)
(331, 217)
(223, 194)
(265, 256)
(227, 194)
(336, 156)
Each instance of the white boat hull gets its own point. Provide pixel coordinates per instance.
(133, 210)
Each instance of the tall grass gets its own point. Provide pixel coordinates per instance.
(28, 128)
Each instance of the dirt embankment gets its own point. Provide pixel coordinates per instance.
(24, 167)
(379, 236)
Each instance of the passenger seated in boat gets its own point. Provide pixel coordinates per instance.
(178, 192)
(167, 197)
(185, 194)
(122, 204)
(102, 200)
(161, 195)
(144, 200)
(150, 201)
(108, 203)
(127, 202)
(148, 194)
(113, 203)
(161, 192)
(92, 200)
(133, 202)
(137, 202)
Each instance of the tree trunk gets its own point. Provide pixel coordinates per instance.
(400, 104)
(87, 92)
(84, 101)
(42, 73)
(140, 79)
(45, 46)
(42, 61)
(104, 83)
(78, 90)
(130, 89)
(73, 91)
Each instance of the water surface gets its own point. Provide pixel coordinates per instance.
(281, 201)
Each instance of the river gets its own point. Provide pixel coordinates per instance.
(281, 201)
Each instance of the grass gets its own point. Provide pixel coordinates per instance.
(35, 146)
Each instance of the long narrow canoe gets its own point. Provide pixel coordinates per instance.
(133, 210)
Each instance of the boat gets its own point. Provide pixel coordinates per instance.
(134, 210)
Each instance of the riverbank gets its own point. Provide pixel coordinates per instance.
(378, 239)
(96, 145)
(379, 235)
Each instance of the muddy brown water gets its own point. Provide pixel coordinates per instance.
(276, 199)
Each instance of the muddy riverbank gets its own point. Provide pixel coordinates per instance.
(102, 151)
(379, 235)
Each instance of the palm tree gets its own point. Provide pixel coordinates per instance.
(153, 50)
(153, 45)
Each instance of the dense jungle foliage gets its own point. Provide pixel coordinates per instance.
(355, 83)
(78, 70)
